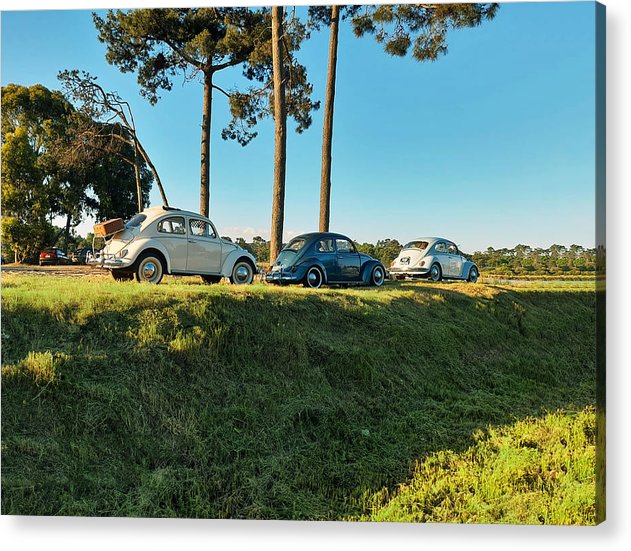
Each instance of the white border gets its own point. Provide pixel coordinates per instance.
(615, 533)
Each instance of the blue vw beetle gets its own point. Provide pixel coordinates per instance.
(315, 259)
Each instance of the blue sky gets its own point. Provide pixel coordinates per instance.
(492, 145)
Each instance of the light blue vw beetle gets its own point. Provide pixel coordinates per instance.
(435, 258)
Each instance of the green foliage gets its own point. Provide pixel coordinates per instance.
(157, 44)
(186, 400)
(423, 27)
(523, 260)
(257, 102)
(45, 173)
(385, 250)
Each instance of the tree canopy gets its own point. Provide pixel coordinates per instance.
(46, 174)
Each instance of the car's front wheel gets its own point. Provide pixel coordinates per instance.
(377, 276)
(313, 278)
(435, 272)
(149, 269)
(473, 275)
(242, 273)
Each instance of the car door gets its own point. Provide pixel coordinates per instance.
(172, 234)
(455, 260)
(204, 248)
(348, 261)
(324, 250)
(440, 254)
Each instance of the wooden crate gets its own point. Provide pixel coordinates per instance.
(108, 227)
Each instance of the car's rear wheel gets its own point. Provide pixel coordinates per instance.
(242, 273)
(119, 275)
(473, 275)
(435, 272)
(210, 279)
(314, 278)
(149, 269)
(377, 276)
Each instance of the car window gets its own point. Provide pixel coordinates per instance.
(440, 247)
(201, 228)
(172, 225)
(295, 244)
(452, 249)
(416, 245)
(344, 246)
(136, 220)
(325, 246)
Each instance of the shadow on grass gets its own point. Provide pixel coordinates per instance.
(266, 404)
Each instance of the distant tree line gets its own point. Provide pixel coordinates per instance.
(524, 260)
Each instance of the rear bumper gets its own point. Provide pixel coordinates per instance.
(281, 277)
(408, 272)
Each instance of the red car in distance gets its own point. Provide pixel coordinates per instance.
(53, 255)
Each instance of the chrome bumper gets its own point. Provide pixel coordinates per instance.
(279, 277)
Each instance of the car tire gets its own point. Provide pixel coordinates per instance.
(377, 276)
(473, 275)
(314, 278)
(119, 275)
(435, 272)
(149, 269)
(210, 279)
(242, 273)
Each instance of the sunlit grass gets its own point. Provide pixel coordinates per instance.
(191, 400)
(536, 471)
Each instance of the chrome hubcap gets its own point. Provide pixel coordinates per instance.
(378, 276)
(434, 272)
(314, 278)
(242, 273)
(149, 270)
(474, 276)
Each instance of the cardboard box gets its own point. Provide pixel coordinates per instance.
(108, 227)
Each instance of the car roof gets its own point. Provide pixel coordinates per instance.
(320, 235)
(155, 212)
(430, 239)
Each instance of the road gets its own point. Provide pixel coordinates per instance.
(71, 270)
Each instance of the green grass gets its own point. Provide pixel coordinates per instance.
(185, 400)
(537, 471)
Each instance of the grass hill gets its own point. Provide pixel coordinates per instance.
(185, 400)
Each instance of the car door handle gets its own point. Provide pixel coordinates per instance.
(192, 241)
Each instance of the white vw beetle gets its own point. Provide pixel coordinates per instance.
(434, 258)
(165, 240)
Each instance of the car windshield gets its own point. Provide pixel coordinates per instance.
(136, 220)
(416, 245)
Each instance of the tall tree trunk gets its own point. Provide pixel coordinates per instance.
(327, 134)
(67, 233)
(204, 194)
(280, 135)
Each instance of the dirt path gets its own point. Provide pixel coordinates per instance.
(72, 270)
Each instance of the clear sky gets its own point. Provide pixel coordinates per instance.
(492, 145)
